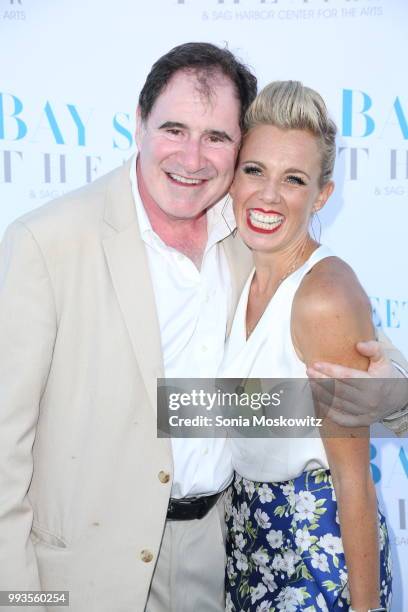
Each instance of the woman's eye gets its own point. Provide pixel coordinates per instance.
(295, 180)
(254, 170)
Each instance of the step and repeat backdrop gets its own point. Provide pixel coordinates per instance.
(70, 75)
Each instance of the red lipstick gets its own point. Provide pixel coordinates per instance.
(262, 230)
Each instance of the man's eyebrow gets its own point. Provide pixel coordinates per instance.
(172, 124)
(219, 134)
(182, 126)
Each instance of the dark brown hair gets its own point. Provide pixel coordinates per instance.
(206, 60)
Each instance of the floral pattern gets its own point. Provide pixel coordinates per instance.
(284, 550)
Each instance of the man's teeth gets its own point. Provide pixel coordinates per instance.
(265, 221)
(183, 179)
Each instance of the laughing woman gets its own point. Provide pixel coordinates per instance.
(291, 545)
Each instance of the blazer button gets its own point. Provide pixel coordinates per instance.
(146, 556)
(164, 477)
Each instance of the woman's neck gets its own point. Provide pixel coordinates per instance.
(271, 268)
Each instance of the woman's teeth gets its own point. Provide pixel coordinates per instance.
(266, 221)
(184, 180)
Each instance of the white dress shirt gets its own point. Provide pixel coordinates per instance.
(192, 307)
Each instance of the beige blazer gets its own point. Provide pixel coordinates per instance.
(84, 480)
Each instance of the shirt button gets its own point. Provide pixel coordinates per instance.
(164, 477)
(204, 348)
(146, 556)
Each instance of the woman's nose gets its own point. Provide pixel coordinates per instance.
(270, 192)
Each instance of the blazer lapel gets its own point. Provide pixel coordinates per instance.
(240, 262)
(128, 265)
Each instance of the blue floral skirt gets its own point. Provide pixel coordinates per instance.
(284, 550)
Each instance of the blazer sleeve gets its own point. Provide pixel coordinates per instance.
(398, 425)
(27, 335)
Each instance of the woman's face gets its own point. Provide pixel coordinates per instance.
(276, 187)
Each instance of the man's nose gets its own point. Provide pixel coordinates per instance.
(191, 156)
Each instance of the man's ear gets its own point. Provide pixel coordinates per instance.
(140, 127)
(323, 196)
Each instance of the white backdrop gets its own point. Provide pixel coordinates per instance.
(70, 75)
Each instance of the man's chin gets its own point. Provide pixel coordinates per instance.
(186, 211)
(186, 215)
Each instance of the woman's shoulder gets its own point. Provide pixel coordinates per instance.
(330, 314)
(331, 285)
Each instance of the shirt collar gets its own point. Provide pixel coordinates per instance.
(143, 220)
(220, 217)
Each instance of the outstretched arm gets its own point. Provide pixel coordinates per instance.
(356, 401)
(330, 314)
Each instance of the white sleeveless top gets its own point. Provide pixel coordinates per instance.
(269, 353)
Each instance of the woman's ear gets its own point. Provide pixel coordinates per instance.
(323, 196)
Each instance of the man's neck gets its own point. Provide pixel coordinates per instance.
(188, 236)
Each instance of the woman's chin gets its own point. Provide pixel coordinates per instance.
(261, 242)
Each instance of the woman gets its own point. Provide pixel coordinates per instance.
(290, 545)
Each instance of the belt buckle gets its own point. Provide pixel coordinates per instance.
(198, 507)
(170, 507)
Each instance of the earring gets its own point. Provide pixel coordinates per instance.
(228, 201)
(316, 216)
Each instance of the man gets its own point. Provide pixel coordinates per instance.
(101, 293)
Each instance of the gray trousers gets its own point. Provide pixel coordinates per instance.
(189, 574)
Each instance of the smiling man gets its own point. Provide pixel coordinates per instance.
(129, 279)
(188, 143)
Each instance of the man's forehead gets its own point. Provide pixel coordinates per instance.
(187, 98)
(200, 88)
(202, 82)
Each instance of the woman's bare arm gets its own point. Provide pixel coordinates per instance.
(330, 314)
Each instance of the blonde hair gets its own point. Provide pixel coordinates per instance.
(289, 105)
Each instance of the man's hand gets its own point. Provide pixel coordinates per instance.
(352, 400)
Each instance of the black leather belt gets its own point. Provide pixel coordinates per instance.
(190, 508)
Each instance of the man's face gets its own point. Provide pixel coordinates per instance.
(188, 145)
